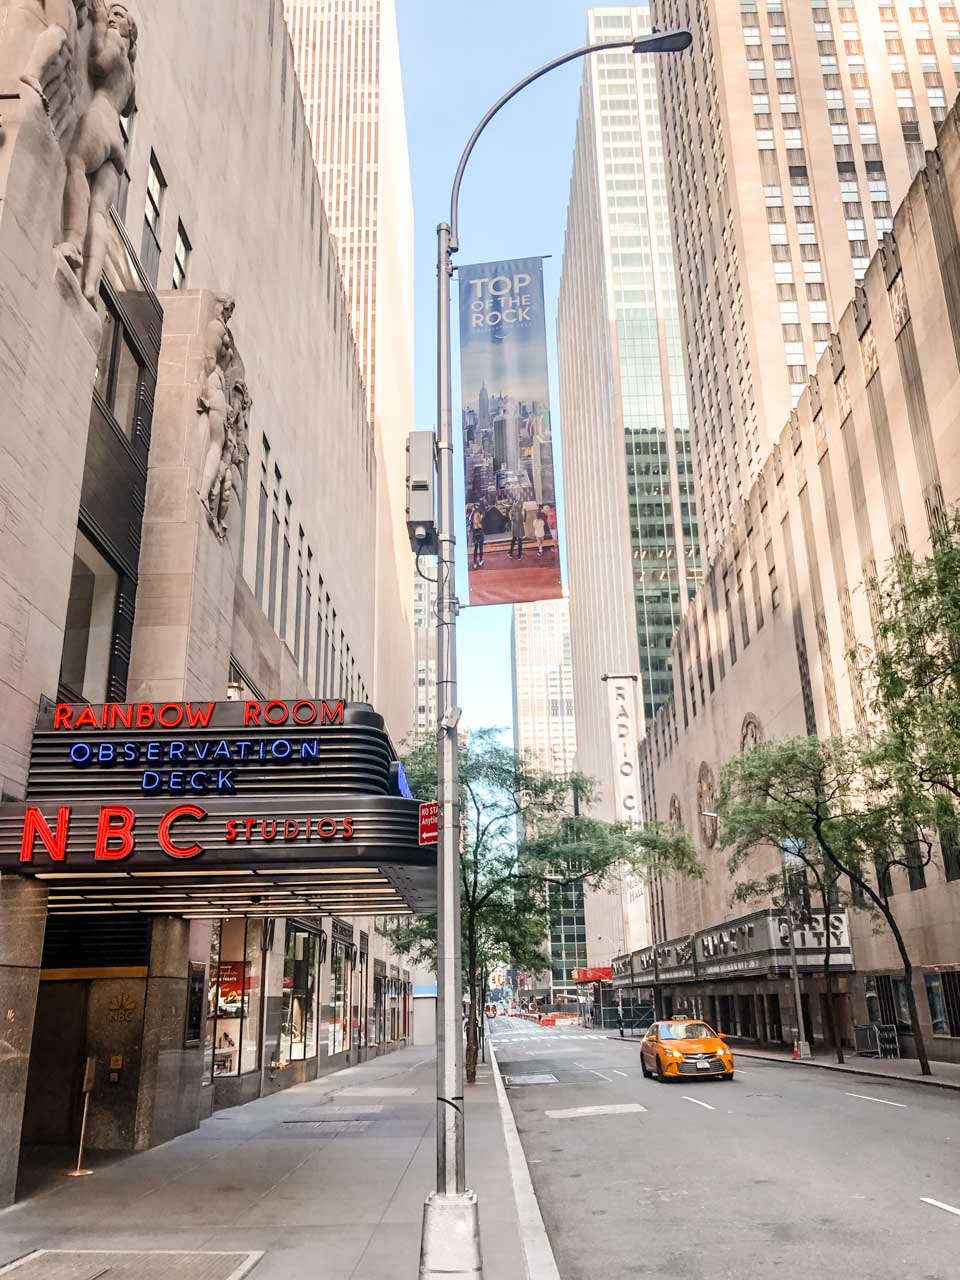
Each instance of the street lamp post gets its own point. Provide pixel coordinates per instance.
(450, 1243)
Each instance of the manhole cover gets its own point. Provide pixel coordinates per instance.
(534, 1078)
(116, 1264)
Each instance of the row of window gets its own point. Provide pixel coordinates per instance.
(319, 646)
(152, 238)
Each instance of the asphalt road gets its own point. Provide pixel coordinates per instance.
(782, 1171)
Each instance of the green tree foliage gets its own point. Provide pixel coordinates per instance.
(521, 832)
(839, 804)
(913, 671)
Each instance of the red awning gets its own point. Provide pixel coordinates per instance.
(600, 973)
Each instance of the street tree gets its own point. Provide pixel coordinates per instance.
(523, 831)
(836, 804)
(912, 672)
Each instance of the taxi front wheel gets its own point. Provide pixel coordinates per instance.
(643, 1069)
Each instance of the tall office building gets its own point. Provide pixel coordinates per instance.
(544, 728)
(791, 131)
(630, 505)
(425, 649)
(348, 62)
(545, 734)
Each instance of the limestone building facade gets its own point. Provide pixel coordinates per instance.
(867, 462)
(191, 493)
(347, 58)
(792, 132)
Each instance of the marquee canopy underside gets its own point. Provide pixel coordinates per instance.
(277, 891)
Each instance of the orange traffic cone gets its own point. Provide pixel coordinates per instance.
(796, 1051)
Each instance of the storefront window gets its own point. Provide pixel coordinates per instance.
(339, 1015)
(210, 1030)
(232, 1038)
(393, 996)
(253, 965)
(943, 997)
(226, 1049)
(298, 1033)
(938, 1010)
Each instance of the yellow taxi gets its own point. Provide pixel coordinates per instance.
(684, 1047)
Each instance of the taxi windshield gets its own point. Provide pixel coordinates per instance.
(686, 1031)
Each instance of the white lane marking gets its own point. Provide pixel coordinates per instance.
(866, 1098)
(600, 1074)
(698, 1102)
(619, 1073)
(617, 1109)
(538, 1255)
(938, 1204)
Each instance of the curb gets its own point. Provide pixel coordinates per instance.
(929, 1081)
(538, 1260)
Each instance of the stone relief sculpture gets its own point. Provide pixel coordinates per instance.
(223, 405)
(39, 45)
(96, 155)
(751, 732)
(707, 799)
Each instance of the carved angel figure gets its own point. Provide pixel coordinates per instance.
(96, 156)
(218, 503)
(223, 404)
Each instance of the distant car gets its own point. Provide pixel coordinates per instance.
(684, 1047)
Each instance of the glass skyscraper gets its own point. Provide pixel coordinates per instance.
(630, 505)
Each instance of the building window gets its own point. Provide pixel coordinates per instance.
(153, 221)
(285, 569)
(298, 602)
(950, 851)
(181, 258)
(262, 519)
(274, 547)
(126, 133)
(234, 997)
(339, 1007)
(88, 635)
(307, 616)
(943, 997)
(298, 1023)
(119, 370)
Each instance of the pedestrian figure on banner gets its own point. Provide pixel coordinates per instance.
(516, 529)
(540, 529)
(476, 529)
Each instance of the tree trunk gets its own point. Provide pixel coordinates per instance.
(884, 908)
(832, 1030)
(472, 1045)
(911, 999)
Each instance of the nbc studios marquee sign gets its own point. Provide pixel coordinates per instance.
(213, 784)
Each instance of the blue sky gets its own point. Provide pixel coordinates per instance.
(458, 57)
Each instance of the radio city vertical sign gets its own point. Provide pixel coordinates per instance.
(509, 486)
(622, 704)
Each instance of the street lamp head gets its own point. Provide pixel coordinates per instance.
(663, 42)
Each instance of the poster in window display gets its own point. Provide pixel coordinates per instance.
(509, 487)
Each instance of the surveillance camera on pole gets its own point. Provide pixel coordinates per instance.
(422, 492)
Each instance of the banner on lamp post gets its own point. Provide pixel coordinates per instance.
(509, 487)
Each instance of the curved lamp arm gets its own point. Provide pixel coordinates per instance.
(656, 42)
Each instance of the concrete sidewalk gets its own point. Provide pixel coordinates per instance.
(327, 1179)
(946, 1075)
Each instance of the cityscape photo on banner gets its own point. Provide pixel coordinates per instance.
(509, 487)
